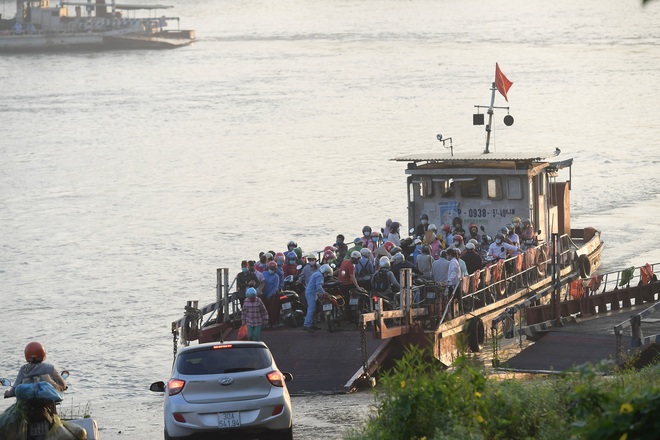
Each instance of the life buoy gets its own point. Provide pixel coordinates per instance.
(475, 335)
(584, 266)
(594, 283)
(646, 273)
(541, 262)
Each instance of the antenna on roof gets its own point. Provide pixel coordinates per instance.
(451, 145)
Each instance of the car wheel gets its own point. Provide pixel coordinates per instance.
(286, 434)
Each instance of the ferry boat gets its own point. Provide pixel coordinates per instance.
(486, 189)
(98, 25)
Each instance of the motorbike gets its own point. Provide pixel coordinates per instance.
(43, 420)
(358, 303)
(331, 309)
(292, 311)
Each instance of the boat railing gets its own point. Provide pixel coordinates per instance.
(599, 283)
(505, 277)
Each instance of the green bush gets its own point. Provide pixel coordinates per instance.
(418, 399)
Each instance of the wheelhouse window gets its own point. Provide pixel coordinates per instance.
(424, 188)
(471, 188)
(494, 188)
(514, 189)
(445, 187)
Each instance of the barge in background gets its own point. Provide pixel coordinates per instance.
(38, 26)
(486, 189)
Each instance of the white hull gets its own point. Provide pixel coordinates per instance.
(86, 41)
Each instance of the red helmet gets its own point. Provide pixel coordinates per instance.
(272, 265)
(388, 246)
(458, 238)
(446, 228)
(35, 352)
(473, 226)
(329, 255)
(279, 257)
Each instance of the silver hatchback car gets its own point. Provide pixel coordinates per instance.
(226, 390)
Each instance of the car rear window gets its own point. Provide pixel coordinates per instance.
(229, 359)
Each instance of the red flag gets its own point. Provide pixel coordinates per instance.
(502, 82)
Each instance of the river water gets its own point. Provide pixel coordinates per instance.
(127, 178)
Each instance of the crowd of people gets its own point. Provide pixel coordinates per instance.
(374, 261)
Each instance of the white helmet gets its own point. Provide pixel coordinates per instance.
(433, 227)
(326, 270)
(397, 258)
(356, 254)
(384, 262)
(366, 252)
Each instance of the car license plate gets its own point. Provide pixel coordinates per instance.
(286, 306)
(327, 307)
(229, 420)
(353, 301)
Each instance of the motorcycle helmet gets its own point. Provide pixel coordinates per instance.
(499, 237)
(356, 254)
(527, 222)
(457, 222)
(394, 227)
(384, 263)
(423, 217)
(470, 245)
(398, 258)
(365, 252)
(366, 231)
(473, 226)
(291, 245)
(433, 227)
(512, 229)
(311, 256)
(504, 231)
(426, 249)
(251, 292)
(357, 240)
(474, 242)
(388, 246)
(459, 239)
(446, 228)
(272, 265)
(298, 252)
(516, 220)
(395, 250)
(35, 352)
(326, 270)
(329, 255)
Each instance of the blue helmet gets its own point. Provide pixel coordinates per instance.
(251, 292)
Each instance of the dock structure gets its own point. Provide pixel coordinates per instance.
(599, 325)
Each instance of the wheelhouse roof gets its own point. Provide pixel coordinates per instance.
(472, 157)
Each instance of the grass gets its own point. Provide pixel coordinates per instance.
(418, 399)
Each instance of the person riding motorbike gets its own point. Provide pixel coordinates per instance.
(473, 232)
(364, 269)
(290, 246)
(394, 235)
(458, 243)
(500, 249)
(36, 368)
(513, 236)
(473, 260)
(291, 265)
(366, 235)
(528, 234)
(347, 279)
(384, 282)
(422, 227)
(314, 290)
(307, 271)
(424, 262)
(457, 226)
(375, 241)
(447, 236)
(341, 247)
(517, 225)
(399, 262)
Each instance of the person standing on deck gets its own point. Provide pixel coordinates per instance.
(309, 269)
(271, 293)
(440, 268)
(254, 314)
(314, 290)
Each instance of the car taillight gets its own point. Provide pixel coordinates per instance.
(275, 378)
(277, 410)
(216, 347)
(175, 386)
(179, 417)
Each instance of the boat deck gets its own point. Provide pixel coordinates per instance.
(590, 339)
(320, 361)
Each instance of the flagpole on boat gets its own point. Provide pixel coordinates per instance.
(490, 117)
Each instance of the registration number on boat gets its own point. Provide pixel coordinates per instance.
(229, 420)
(327, 307)
(353, 301)
(286, 306)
